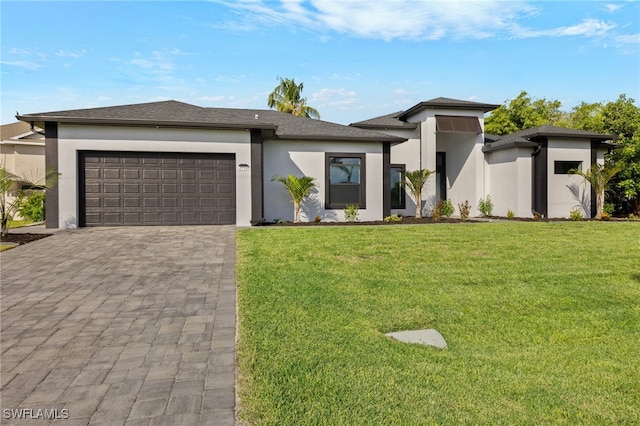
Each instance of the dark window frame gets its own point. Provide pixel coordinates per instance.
(403, 193)
(562, 167)
(362, 202)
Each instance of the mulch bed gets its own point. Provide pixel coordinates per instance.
(405, 221)
(22, 238)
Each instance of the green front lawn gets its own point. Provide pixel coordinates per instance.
(542, 321)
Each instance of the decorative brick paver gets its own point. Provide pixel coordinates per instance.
(113, 326)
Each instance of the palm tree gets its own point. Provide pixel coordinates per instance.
(415, 181)
(287, 97)
(298, 188)
(12, 193)
(598, 176)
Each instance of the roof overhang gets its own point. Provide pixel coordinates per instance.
(329, 138)
(470, 106)
(143, 123)
(497, 146)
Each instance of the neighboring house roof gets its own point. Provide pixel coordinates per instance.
(446, 103)
(20, 131)
(523, 138)
(180, 114)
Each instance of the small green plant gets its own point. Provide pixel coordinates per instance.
(33, 207)
(485, 206)
(317, 219)
(299, 189)
(351, 213)
(414, 181)
(436, 213)
(605, 216)
(447, 208)
(632, 217)
(575, 214)
(393, 218)
(510, 214)
(465, 209)
(609, 208)
(278, 220)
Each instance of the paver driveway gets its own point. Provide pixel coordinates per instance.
(116, 326)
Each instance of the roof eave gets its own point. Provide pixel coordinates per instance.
(517, 144)
(404, 126)
(444, 105)
(144, 123)
(335, 138)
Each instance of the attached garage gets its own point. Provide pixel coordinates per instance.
(150, 188)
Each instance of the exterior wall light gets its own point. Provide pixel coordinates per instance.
(243, 167)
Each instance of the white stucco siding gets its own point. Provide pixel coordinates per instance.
(464, 167)
(74, 138)
(566, 192)
(509, 181)
(307, 158)
(465, 163)
(407, 153)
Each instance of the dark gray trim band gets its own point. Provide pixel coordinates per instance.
(594, 159)
(51, 162)
(540, 190)
(257, 193)
(386, 179)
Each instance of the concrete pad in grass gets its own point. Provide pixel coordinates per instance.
(429, 337)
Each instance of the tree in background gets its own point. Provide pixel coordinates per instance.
(620, 118)
(523, 113)
(415, 181)
(287, 97)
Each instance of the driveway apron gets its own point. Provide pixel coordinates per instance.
(114, 326)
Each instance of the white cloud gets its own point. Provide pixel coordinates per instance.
(629, 38)
(210, 98)
(407, 19)
(387, 20)
(157, 62)
(230, 78)
(71, 53)
(611, 8)
(345, 76)
(27, 65)
(334, 97)
(587, 28)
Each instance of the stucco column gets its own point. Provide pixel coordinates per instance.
(428, 159)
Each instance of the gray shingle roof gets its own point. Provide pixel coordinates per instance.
(388, 121)
(523, 138)
(180, 114)
(447, 103)
(11, 131)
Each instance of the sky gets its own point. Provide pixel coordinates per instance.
(357, 59)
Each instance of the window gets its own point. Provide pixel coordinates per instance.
(563, 167)
(398, 193)
(345, 180)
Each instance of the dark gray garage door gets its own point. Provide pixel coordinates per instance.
(140, 188)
